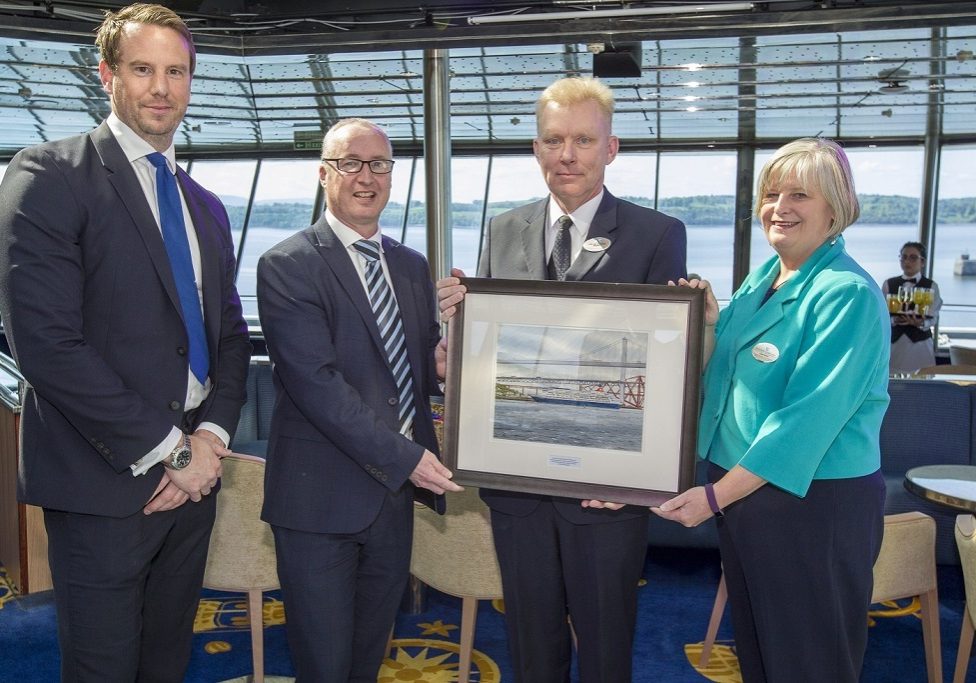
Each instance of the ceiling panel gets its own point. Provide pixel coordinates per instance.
(856, 83)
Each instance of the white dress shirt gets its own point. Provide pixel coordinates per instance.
(136, 149)
(582, 218)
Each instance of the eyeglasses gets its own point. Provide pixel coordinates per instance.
(378, 166)
(909, 257)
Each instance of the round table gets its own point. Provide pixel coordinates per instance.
(950, 485)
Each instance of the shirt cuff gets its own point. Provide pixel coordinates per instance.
(216, 429)
(158, 454)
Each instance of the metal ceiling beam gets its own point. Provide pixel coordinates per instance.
(228, 38)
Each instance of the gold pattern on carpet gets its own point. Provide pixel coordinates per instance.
(893, 609)
(7, 590)
(438, 628)
(723, 665)
(230, 614)
(422, 660)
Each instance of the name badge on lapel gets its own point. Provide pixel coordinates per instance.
(764, 352)
(596, 244)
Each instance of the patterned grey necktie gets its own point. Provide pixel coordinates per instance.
(562, 250)
(391, 329)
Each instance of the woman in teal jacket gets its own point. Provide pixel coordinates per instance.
(794, 395)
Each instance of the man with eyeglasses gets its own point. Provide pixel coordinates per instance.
(912, 345)
(562, 557)
(350, 320)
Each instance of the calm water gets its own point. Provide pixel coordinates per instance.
(710, 254)
(569, 425)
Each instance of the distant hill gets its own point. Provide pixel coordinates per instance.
(693, 210)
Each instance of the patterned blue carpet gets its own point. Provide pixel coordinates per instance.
(674, 607)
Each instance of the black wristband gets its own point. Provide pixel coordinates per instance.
(712, 503)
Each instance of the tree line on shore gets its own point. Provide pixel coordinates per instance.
(693, 210)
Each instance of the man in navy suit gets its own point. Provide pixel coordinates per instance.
(561, 557)
(352, 439)
(129, 405)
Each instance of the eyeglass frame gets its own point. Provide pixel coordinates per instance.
(910, 257)
(362, 162)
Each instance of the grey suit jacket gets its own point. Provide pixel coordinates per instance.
(91, 312)
(645, 246)
(335, 447)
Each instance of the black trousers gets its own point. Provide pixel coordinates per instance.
(551, 569)
(799, 573)
(126, 591)
(342, 592)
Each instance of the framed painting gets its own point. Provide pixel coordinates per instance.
(577, 389)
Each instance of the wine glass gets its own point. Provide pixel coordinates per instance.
(893, 304)
(920, 299)
(904, 296)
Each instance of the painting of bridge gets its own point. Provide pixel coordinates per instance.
(573, 386)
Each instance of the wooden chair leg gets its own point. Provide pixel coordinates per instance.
(718, 609)
(469, 616)
(255, 615)
(930, 635)
(965, 647)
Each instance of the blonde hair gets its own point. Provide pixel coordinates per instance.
(815, 163)
(569, 91)
(109, 35)
(330, 137)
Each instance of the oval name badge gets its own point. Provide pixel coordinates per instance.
(596, 244)
(764, 352)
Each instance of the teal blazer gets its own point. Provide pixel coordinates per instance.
(796, 388)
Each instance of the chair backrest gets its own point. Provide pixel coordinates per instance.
(966, 542)
(962, 355)
(947, 370)
(242, 554)
(906, 564)
(455, 553)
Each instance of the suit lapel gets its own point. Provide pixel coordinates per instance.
(604, 224)
(123, 179)
(774, 310)
(534, 240)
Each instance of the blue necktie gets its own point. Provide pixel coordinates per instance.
(391, 329)
(178, 248)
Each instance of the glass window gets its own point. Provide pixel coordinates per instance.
(468, 177)
(699, 189)
(283, 203)
(391, 220)
(955, 238)
(231, 182)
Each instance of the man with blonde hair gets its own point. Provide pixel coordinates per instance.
(117, 294)
(561, 557)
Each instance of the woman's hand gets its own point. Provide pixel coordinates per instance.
(689, 508)
(711, 303)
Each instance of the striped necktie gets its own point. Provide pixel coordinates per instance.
(391, 329)
(562, 250)
(178, 250)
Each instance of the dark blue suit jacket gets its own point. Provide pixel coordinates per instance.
(645, 246)
(335, 447)
(91, 311)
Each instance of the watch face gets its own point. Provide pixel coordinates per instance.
(181, 458)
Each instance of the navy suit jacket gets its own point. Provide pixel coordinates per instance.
(335, 449)
(91, 312)
(645, 246)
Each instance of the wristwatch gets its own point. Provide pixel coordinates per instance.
(181, 455)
